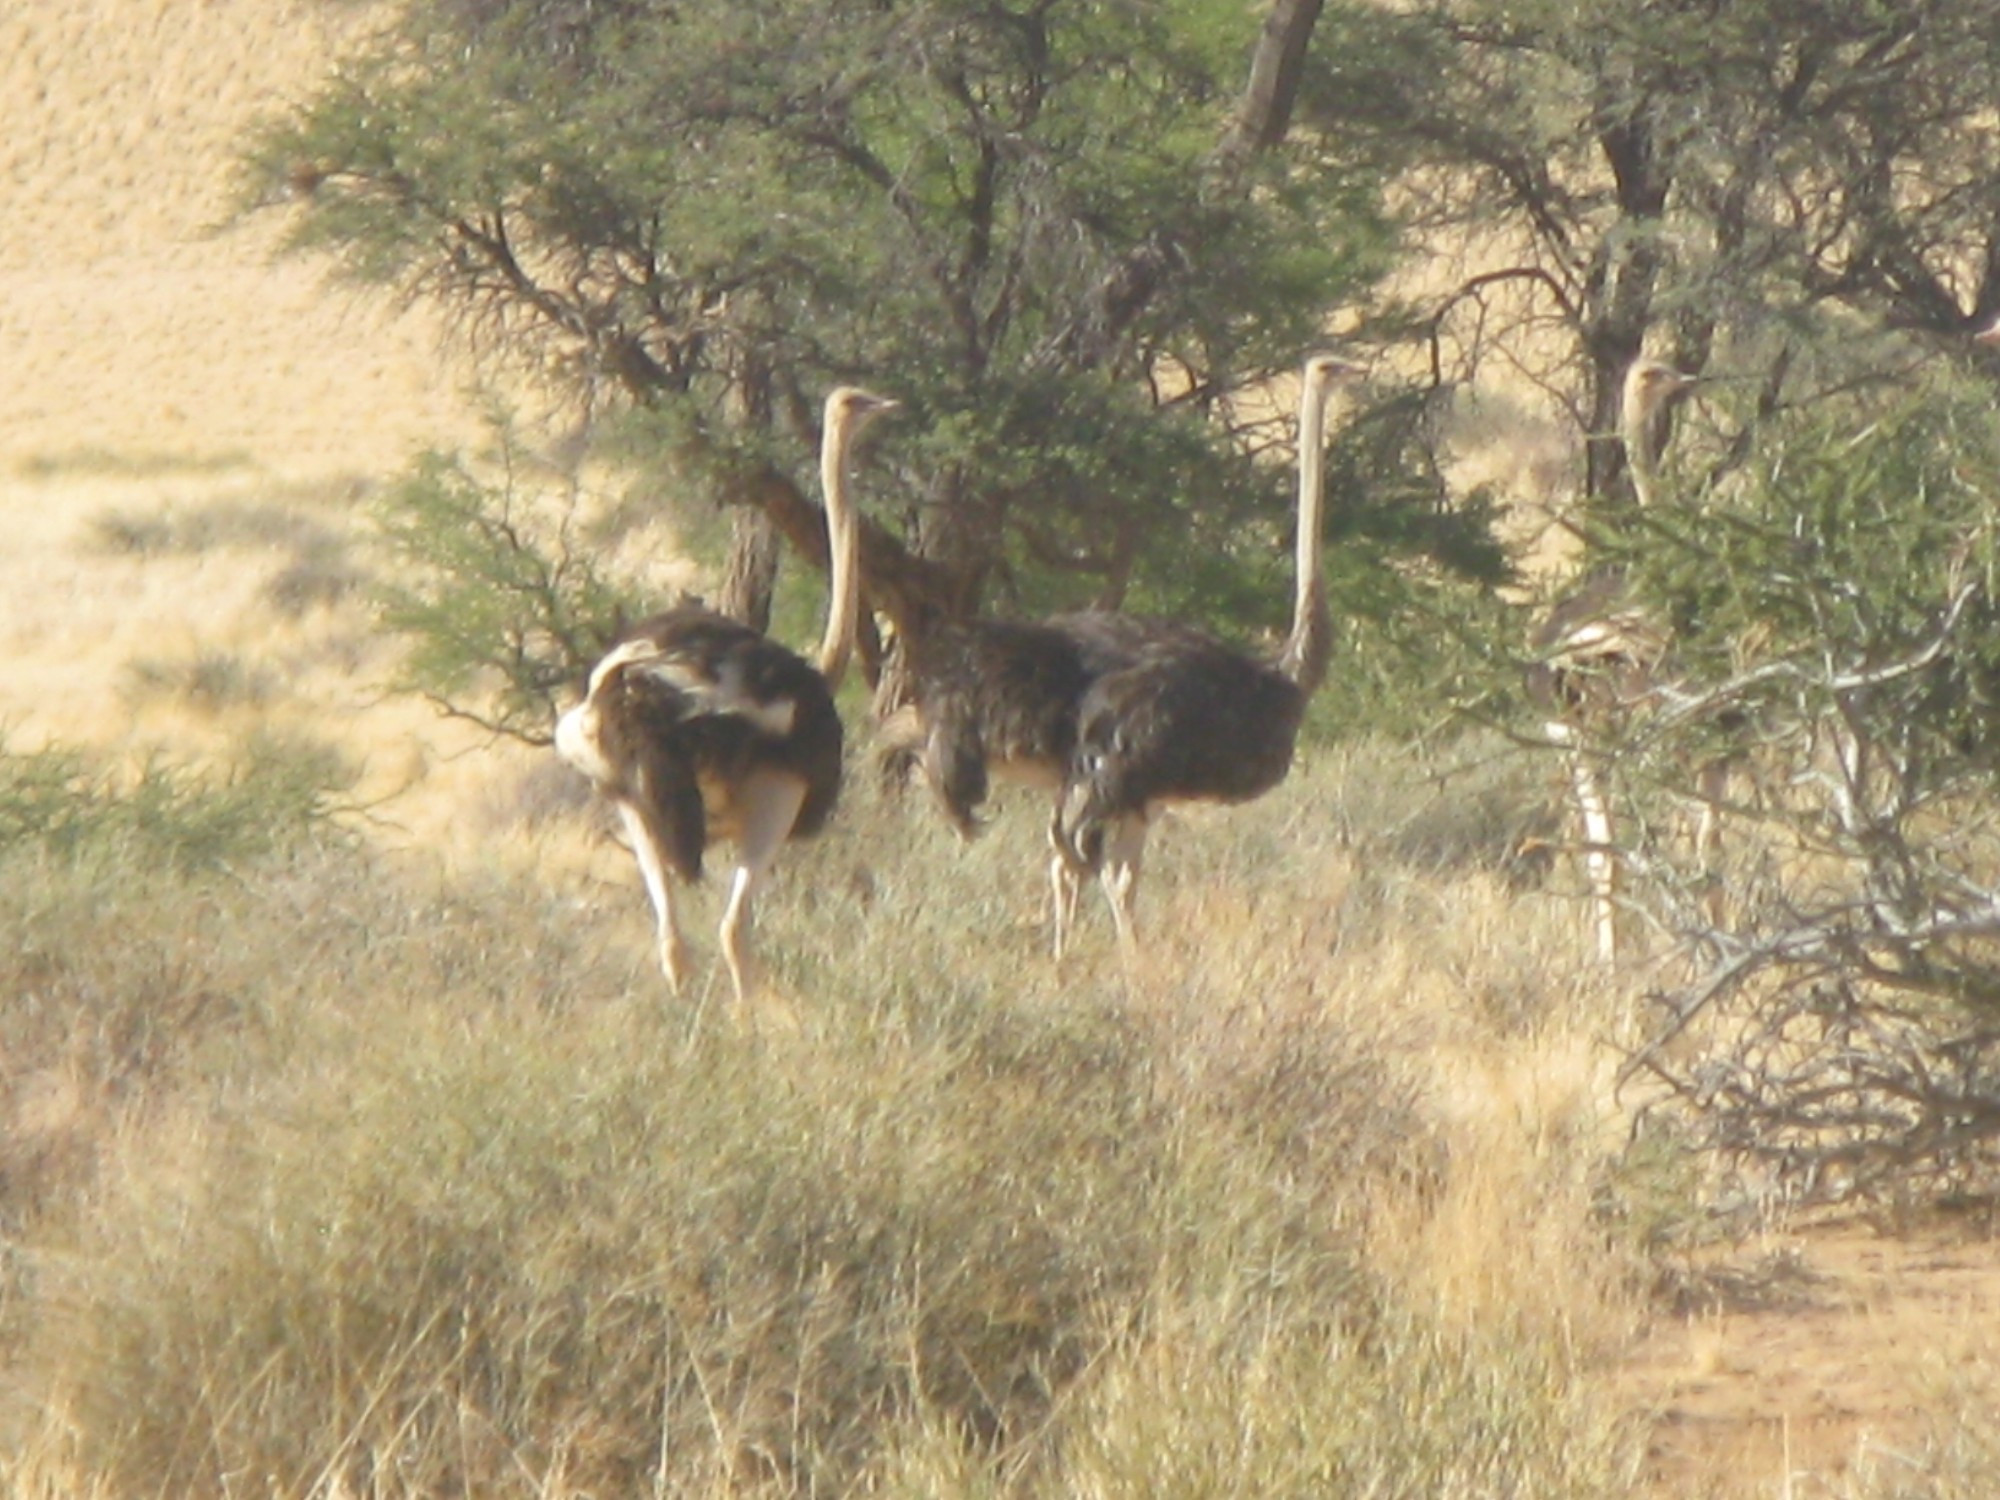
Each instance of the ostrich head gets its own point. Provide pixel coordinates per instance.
(848, 410)
(1651, 389)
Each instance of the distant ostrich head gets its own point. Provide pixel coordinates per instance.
(848, 410)
(1651, 389)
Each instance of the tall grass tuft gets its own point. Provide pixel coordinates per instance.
(108, 893)
(491, 1253)
(439, 1193)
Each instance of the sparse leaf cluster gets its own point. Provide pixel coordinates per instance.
(1833, 627)
(503, 608)
(69, 803)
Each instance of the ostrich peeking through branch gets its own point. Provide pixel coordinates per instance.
(1192, 718)
(1599, 653)
(698, 728)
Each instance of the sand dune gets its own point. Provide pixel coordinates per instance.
(159, 363)
(133, 322)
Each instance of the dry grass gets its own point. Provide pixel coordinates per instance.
(378, 1184)
(330, 1173)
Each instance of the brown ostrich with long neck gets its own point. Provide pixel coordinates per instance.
(1002, 699)
(1192, 718)
(698, 728)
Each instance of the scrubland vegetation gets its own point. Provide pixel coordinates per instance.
(325, 1175)
(342, 1157)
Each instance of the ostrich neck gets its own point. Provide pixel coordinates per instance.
(1639, 459)
(843, 603)
(1306, 651)
(1642, 458)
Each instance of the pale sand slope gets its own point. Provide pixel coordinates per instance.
(156, 366)
(129, 323)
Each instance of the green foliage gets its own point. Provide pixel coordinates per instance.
(1814, 222)
(1014, 221)
(500, 609)
(1832, 643)
(1592, 181)
(1019, 223)
(1856, 564)
(68, 802)
(1413, 573)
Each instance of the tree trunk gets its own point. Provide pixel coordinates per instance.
(1264, 113)
(750, 576)
(1620, 285)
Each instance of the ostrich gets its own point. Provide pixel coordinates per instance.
(1191, 718)
(698, 728)
(1000, 699)
(1598, 652)
(996, 700)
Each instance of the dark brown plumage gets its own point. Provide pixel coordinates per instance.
(997, 700)
(1190, 718)
(699, 729)
(1134, 746)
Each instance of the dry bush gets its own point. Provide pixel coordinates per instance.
(112, 981)
(1958, 1465)
(206, 683)
(319, 571)
(127, 464)
(316, 578)
(1410, 1410)
(265, 522)
(449, 1197)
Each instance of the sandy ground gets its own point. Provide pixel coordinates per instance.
(1801, 1363)
(159, 365)
(133, 321)
(158, 369)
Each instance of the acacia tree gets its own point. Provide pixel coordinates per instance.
(1805, 195)
(1794, 188)
(1056, 229)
